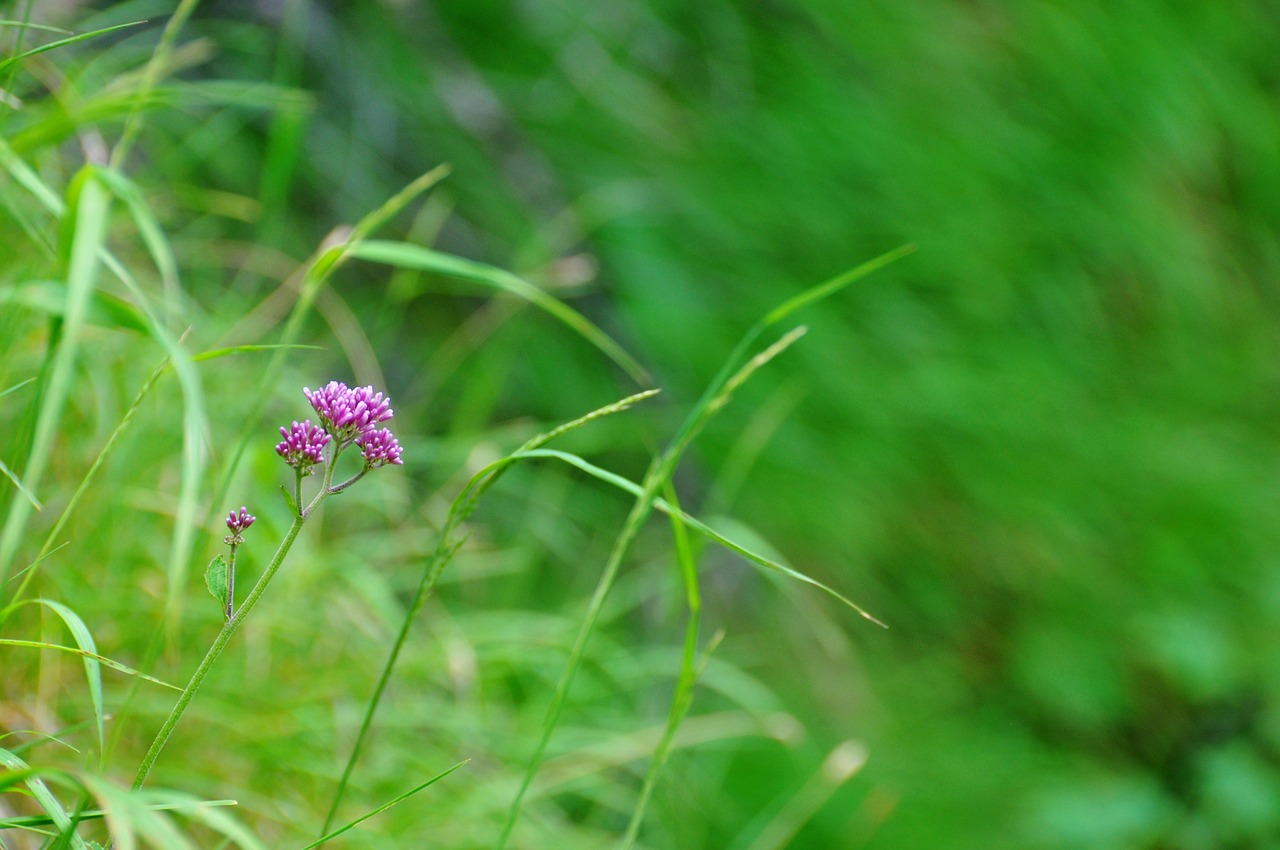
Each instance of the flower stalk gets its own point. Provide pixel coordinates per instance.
(347, 417)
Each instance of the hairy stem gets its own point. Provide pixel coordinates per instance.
(228, 629)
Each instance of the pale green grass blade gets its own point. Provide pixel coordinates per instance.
(88, 227)
(97, 814)
(49, 297)
(404, 255)
(682, 699)
(713, 399)
(149, 229)
(101, 659)
(22, 488)
(215, 353)
(151, 76)
(92, 670)
(830, 287)
(327, 259)
(406, 795)
(447, 546)
(129, 813)
(42, 795)
(700, 527)
(27, 25)
(62, 42)
(194, 419)
(841, 764)
(27, 178)
(16, 387)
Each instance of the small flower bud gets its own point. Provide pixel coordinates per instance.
(379, 448)
(237, 522)
(303, 445)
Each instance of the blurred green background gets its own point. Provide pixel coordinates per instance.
(1043, 448)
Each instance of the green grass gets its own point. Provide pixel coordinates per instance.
(1040, 449)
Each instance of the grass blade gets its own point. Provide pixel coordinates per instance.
(406, 795)
(404, 255)
(101, 659)
(40, 791)
(447, 545)
(86, 236)
(92, 670)
(62, 42)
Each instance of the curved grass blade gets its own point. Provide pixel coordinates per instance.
(194, 420)
(404, 255)
(700, 527)
(40, 791)
(48, 297)
(690, 668)
(406, 795)
(62, 42)
(447, 545)
(713, 398)
(86, 235)
(97, 814)
(92, 670)
(327, 259)
(101, 659)
(27, 25)
(215, 353)
(22, 488)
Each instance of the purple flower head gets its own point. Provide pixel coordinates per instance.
(237, 522)
(379, 448)
(346, 412)
(303, 445)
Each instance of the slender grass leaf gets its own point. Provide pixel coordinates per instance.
(102, 659)
(40, 791)
(22, 488)
(49, 297)
(215, 353)
(700, 527)
(87, 234)
(404, 255)
(830, 287)
(92, 670)
(62, 42)
(97, 814)
(406, 795)
(27, 25)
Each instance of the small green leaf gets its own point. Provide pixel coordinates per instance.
(215, 578)
(288, 500)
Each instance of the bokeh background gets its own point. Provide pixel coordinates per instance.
(1043, 448)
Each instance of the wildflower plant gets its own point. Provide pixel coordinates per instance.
(347, 416)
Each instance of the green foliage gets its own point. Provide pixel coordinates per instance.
(1041, 449)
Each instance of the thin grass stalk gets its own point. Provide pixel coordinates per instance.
(229, 627)
(682, 699)
(88, 233)
(446, 547)
(713, 398)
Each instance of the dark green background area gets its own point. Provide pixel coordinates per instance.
(1043, 448)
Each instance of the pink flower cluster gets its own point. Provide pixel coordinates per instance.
(347, 415)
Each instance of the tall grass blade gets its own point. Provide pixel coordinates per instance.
(406, 795)
(87, 234)
(62, 42)
(447, 545)
(42, 795)
(404, 255)
(101, 659)
(92, 669)
(713, 398)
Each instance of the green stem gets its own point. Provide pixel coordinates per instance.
(228, 629)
